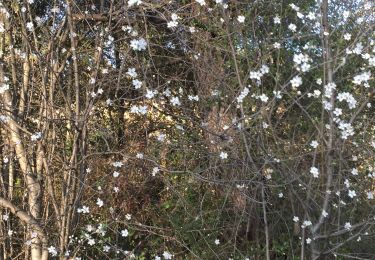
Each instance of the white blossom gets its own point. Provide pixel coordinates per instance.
(89, 228)
(174, 22)
(52, 250)
(347, 36)
(109, 102)
(358, 48)
(327, 105)
(243, 94)
(300, 59)
(99, 202)
(36, 136)
(150, 93)
(371, 61)
(337, 111)
(311, 16)
(362, 78)
(314, 171)
(294, 7)
(137, 84)
(138, 44)
(258, 74)
(134, 2)
(352, 103)
(83, 210)
(155, 170)
(175, 101)
(132, 73)
(346, 129)
(316, 93)
(306, 223)
(161, 137)
(264, 69)
(117, 164)
(141, 110)
(292, 27)
(166, 254)
(277, 94)
(276, 20)
(305, 67)
(91, 242)
(30, 26)
(223, 155)
(241, 19)
(314, 144)
(354, 171)
(346, 14)
(124, 233)
(263, 98)
(329, 89)
(255, 75)
(351, 193)
(193, 98)
(347, 226)
(296, 81)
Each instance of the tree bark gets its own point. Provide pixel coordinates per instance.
(33, 186)
(31, 222)
(329, 157)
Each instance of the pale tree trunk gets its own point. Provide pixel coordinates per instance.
(33, 186)
(32, 223)
(26, 76)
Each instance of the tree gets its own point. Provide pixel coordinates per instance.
(187, 129)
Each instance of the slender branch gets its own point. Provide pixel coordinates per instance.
(24, 217)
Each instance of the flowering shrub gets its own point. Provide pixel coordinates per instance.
(187, 129)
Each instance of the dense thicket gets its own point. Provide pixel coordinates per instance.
(192, 129)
